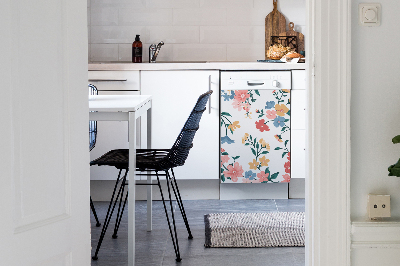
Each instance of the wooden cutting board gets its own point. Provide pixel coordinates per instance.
(292, 32)
(275, 23)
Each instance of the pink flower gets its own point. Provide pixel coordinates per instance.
(234, 172)
(222, 150)
(287, 167)
(288, 156)
(270, 114)
(224, 159)
(261, 126)
(241, 95)
(286, 178)
(262, 176)
(237, 104)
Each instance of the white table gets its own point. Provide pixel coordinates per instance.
(127, 108)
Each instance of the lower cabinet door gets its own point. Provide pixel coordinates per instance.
(255, 136)
(174, 96)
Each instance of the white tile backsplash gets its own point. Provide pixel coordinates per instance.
(246, 17)
(224, 34)
(115, 34)
(250, 52)
(103, 52)
(199, 16)
(172, 3)
(192, 30)
(145, 17)
(104, 16)
(199, 52)
(173, 34)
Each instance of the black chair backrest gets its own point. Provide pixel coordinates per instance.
(180, 150)
(92, 124)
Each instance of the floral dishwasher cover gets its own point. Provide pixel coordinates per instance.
(255, 136)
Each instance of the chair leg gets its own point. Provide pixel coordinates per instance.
(174, 239)
(109, 213)
(120, 211)
(180, 203)
(94, 213)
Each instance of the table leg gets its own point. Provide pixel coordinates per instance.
(149, 178)
(132, 190)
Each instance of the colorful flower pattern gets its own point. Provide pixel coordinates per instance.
(255, 136)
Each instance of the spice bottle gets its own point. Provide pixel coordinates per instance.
(137, 50)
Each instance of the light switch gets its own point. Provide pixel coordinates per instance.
(369, 14)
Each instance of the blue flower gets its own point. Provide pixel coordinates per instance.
(227, 140)
(226, 97)
(270, 105)
(250, 175)
(279, 121)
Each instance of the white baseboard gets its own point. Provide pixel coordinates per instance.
(375, 243)
(101, 190)
(254, 191)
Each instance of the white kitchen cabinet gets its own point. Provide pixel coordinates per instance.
(298, 124)
(174, 96)
(112, 134)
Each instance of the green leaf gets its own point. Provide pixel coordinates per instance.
(247, 144)
(257, 92)
(257, 146)
(253, 100)
(222, 178)
(286, 141)
(225, 114)
(286, 120)
(265, 152)
(224, 153)
(236, 157)
(261, 115)
(278, 148)
(274, 176)
(283, 154)
(396, 139)
(288, 112)
(267, 170)
(254, 152)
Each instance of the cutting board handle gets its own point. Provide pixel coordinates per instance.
(291, 26)
(275, 4)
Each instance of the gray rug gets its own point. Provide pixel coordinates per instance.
(238, 230)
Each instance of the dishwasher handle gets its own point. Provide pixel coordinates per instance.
(249, 83)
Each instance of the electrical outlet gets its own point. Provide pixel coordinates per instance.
(378, 206)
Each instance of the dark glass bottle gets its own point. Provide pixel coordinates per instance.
(137, 50)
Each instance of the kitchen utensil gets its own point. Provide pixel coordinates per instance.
(275, 23)
(292, 32)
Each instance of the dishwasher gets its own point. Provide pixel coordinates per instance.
(255, 126)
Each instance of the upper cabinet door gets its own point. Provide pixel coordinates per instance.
(44, 161)
(174, 96)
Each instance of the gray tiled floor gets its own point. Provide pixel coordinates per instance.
(155, 248)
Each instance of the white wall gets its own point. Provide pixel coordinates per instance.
(375, 120)
(375, 108)
(193, 30)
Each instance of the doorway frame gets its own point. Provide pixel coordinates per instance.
(328, 223)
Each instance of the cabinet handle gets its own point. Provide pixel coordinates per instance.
(209, 89)
(100, 80)
(254, 83)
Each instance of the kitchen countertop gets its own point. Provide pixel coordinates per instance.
(195, 66)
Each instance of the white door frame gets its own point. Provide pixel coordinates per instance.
(329, 82)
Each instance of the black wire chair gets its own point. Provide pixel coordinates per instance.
(92, 143)
(149, 161)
